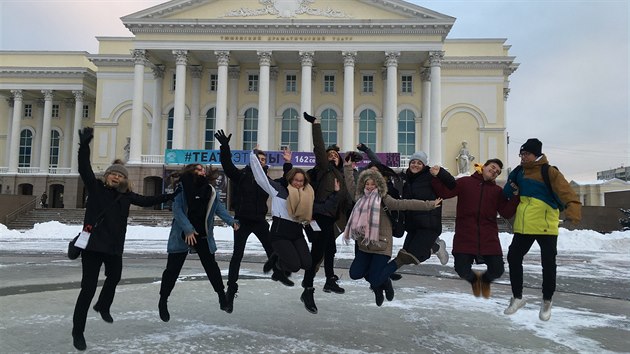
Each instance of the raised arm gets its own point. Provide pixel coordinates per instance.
(85, 167)
(226, 155)
(259, 175)
(370, 154)
(321, 160)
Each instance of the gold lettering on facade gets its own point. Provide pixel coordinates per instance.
(284, 38)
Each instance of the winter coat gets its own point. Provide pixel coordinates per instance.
(538, 213)
(478, 201)
(327, 172)
(385, 226)
(418, 186)
(109, 235)
(181, 224)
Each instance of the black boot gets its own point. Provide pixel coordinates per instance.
(271, 262)
(332, 286)
(395, 276)
(308, 300)
(78, 340)
(378, 294)
(163, 307)
(279, 275)
(105, 315)
(223, 301)
(231, 294)
(389, 290)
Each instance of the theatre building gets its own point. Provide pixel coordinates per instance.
(381, 72)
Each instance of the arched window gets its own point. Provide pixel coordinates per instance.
(54, 149)
(211, 117)
(367, 128)
(26, 147)
(329, 126)
(406, 132)
(290, 129)
(250, 131)
(169, 129)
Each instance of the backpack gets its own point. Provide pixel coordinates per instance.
(396, 217)
(544, 170)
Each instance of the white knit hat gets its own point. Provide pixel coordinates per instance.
(420, 155)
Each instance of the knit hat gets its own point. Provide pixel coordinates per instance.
(333, 147)
(533, 146)
(117, 168)
(420, 155)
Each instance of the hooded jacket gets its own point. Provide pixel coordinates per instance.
(478, 201)
(538, 213)
(385, 226)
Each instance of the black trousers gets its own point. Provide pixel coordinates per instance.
(246, 228)
(91, 266)
(175, 263)
(420, 243)
(463, 267)
(287, 240)
(548, 250)
(323, 245)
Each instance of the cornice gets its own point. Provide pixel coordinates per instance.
(483, 63)
(112, 60)
(55, 73)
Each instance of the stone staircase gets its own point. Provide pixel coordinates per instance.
(75, 217)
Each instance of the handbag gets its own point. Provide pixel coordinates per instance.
(74, 251)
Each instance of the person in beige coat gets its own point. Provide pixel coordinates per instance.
(371, 229)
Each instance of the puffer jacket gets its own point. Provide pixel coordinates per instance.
(538, 212)
(181, 225)
(478, 201)
(385, 227)
(109, 235)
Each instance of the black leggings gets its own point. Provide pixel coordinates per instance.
(323, 246)
(463, 267)
(287, 240)
(175, 263)
(420, 243)
(261, 230)
(91, 266)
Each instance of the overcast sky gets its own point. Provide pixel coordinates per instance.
(570, 91)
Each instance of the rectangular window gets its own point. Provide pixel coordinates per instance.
(368, 83)
(28, 110)
(86, 111)
(252, 83)
(174, 82)
(55, 111)
(214, 79)
(329, 83)
(406, 82)
(291, 83)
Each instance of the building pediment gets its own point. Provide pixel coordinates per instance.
(289, 17)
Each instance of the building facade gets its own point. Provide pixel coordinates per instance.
(380, 72)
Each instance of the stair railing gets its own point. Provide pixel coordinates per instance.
(19, 211)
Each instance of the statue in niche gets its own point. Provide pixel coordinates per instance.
(464, 158)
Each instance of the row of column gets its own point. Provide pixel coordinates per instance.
(13, 142)
(431, 102)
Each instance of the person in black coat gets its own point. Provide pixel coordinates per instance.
(105, 218)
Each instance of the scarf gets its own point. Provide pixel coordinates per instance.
(300, 203)
(365, 219)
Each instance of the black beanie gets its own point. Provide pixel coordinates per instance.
(532, 145)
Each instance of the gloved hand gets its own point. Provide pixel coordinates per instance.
(86, 135)
(309, 118)
(573, 212)
(222, 138)
(362, 147)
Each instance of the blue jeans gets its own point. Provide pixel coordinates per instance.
(375, 268)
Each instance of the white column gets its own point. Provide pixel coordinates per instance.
(274, 143)
(234, 74)
(425, 76)
(506, 93)
(264, 59)
(435, 60)
(390, 118)
(44, 155)
(78, 106)
(37, 137)
(67, 133)
(179, 122)
(349, 59)
(304, 128)
(196, 72)
(223, 60)
(7, 148)
(135, 143)
(156, 122)
(18, 104)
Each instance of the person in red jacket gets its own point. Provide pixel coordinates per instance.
(476, 239)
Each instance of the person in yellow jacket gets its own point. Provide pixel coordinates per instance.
(537, 219)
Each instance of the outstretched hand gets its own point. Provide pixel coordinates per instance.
(362, 147)
(86, 135)
(311, 119)
(222, 138)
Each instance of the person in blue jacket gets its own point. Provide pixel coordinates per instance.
(193, 221)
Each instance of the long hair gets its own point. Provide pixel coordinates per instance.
(294, 171)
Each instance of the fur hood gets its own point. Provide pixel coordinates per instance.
(377, 177)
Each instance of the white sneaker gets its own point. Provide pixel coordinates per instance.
(441, 253)
(545, 310)
(515, 305)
